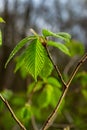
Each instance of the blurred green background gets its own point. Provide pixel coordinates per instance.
(33, 102)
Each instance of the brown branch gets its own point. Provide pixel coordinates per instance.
(52, 116)
(12, 113)
(70, 64)
(56, 68)
(80, 62)
(34, 123)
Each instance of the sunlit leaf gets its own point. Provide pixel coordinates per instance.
(35, 58)
(54, 82)
(55, 97)
(19, 61)
(61, 35)
(47, 69)
(60, 46)
(75, 47)
(19, 46)
(2, 20)
(34, 87)
(64, 35)
(44, 98)
(26, 112)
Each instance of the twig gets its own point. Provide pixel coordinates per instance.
(52, 116)
(12, 113)
(80, 62)
(56, 68)
(34, 123)
(70, 64)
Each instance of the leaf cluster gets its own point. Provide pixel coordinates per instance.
(34, 58)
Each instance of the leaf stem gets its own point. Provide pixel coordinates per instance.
(12, 113)
(34, 32)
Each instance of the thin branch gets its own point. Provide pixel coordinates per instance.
(80, 62)
(34, 123)
(56, 68)
(52, 116)
(12, 113)
(70, 64)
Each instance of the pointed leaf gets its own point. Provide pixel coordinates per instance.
(61, 35)
(65, 35)
(0, 38)
(2, 20)
(18, 47)
(35, 58)
(60, 46)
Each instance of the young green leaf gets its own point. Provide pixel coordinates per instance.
(2, 20)
(35, 58)
(26, 112)
(65, 35)
(0, 38)
(54, 82)
(45, 97)
(47, 69)
(20, 61)
(19, 46)
(61, 35)
(75, 47)
(60, 46)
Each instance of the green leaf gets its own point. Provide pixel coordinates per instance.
(47, 69)
(0, 38)
(7, 94)
(26, 112)
(60, 46)
(20, 62)
(64, 35)
(2, 20)
(35, 58)
(82, 78)
(84, 92)
(55, 96)
(75, 47)
(61, 35)
(44, 98)
(20, 65)
(19, 46)
(34, 87)
(54, 82)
